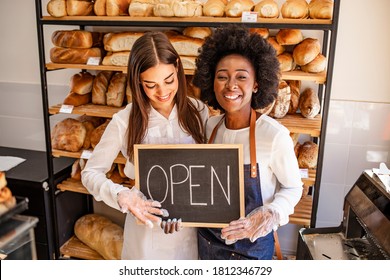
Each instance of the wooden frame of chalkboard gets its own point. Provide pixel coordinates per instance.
(203, 184)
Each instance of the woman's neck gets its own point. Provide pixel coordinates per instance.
(238, 119)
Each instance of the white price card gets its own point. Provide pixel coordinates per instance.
(67, 109)
(249, 17)
(93, 61)
(86, 154)
(304, 173)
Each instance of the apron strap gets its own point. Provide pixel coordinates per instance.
(252, 140)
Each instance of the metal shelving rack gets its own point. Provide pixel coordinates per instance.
(329, 28)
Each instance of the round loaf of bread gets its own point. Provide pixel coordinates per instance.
(297, 9)
(68, 135)
(234, 8)
(98, 132)
(197, 32)
(187, 9)
(267, 9)
(81, 83)
(308, 155)
(321, 9)
(214, 8)
(263, 32)
(57, 8)
(317, 65)
(141, 8)
(282, 102)
(289, 36)
(309, 103)
(306, 51)
(286, 62)
(274, 43)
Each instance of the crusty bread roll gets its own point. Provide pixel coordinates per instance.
(81, 83)
(68, 135)
(100, 86)
(121, 41)
(289, 36)
(116, 58)
(100, 234)
(308, 155)
(57, 8)
(99, 7)
(76, 39)
(295, 88)
(274, 43)
(73, 56)
(116, 90)
(321, 9)
(164, 8)
(317, 65)
(79, 7)
(185, 45)
(141, 8)
(197, 32)
(191, 8)
(97, 133)
(286, 62)
(214, 8)
(76, 99)
(263, 32)
(309, 103)
(298, 9)
(267, 9)
(282, 102)
(234, 8)
(117, 7)
(96, 121)
(306, 51)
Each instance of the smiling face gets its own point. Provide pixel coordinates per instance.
(234, 84)
(160, 84)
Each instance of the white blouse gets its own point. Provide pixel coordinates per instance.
(280, 179)
(140, 242)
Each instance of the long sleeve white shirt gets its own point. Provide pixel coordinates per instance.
(280, 180)
(140, 242)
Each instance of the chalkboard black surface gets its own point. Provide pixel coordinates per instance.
(203, 184)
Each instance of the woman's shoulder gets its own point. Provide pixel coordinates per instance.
(123, 114)
(198, 103)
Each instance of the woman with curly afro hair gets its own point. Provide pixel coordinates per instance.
(237, 72)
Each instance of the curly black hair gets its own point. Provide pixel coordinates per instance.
(237, 39)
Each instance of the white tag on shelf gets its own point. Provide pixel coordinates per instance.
(93, 61)
(249, 17)
(304, 173)
(66, 109)
(86, 154)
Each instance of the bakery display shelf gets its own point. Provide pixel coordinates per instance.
(319, 78)
(296, 123)
(89, 110)
(302, 211)
(74, 248)
(186, 21)
(60, 153)
(73, 185)
(308, 182)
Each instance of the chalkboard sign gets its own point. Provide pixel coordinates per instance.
(203, 184)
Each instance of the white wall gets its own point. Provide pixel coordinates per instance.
(358, 131)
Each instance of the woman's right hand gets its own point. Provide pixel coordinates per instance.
(146, 211)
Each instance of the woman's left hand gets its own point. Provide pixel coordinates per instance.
(258, 223)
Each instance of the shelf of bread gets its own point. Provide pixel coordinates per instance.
(60, 153)
(89, 110)
(296, 123)
(73, 185)
(74, 248)
(302, 211)
(202, 20)
(319, 78)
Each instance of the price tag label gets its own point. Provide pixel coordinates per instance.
(93, 61)
(86, 154)
(249, 17)
(67, 109)
(304, 173)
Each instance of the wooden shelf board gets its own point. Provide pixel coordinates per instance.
(201, 19)
(311, 179)
(296, 123)
(73, 186)
(290, 75)
(89, 110)
(74, 248)
(302, 212)
(60, 153)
